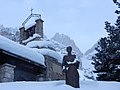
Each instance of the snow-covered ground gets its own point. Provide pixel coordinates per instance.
(60, 85)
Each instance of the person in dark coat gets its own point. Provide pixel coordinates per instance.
(70, 66)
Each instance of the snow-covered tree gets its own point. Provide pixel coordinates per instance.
(107, 58)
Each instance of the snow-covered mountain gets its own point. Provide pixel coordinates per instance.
(11, 33)
(92, 49)
(66, 40)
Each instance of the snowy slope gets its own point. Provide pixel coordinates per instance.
(59, 85)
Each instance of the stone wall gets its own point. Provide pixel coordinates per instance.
(6, 73)
(54, 69)
(24, 75)
(10, 73)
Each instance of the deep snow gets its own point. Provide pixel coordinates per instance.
(60, 85)
(20, 50)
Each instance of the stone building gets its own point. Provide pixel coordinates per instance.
(21, 63)
(53, 70)
(17, 62)
(36, 28)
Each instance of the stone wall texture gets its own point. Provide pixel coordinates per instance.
(6, 73)
(54, 69)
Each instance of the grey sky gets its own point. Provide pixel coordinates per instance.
(82, 20)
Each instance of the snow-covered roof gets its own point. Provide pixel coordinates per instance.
(31, 38)
(45, 50)
(51, 53)
(20, 50)
(39, 44)
(29, 26)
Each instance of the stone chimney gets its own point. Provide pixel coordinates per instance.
(22, 34)
(39, 27)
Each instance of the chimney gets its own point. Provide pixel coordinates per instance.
(39, 27)
(22, 34)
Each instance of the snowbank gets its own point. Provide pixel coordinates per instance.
(59, 85)
(40, 44)
(31, 38)
(51, 53)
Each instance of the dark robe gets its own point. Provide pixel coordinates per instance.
(70, 70)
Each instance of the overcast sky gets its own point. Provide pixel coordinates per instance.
(82, 20)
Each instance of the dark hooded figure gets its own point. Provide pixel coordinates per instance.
(70, 66)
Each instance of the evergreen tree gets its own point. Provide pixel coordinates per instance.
(107, 58)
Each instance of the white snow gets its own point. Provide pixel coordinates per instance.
(87, 67)
(118, 66)
(20, 50)
(60, 85)
(51, 53)
(69, 62)
(29, 26)
(40, 44)
(43, 47)
(46, 43)
(31, 38)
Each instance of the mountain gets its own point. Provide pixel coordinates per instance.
(11, 33)
(91, 49)
(66, 40)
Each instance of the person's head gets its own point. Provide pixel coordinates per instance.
(69, 49)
